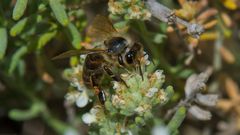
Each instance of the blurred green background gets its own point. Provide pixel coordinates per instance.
(32, 88)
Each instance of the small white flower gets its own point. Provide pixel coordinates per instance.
(147, 15)
(160, 130)
(77, 69)
(89, 118)
(71, 131)
(146, 59)
(159, 74)
(116, 85)
(116, 100)
(142, 108)
(94, 111)
(146, 56)
(147, 62)
(71, 97)
(129, 132)
(162, 96)
(83, 56)
(139, 109)
(151, 92)
(76, 83)
(82, 99)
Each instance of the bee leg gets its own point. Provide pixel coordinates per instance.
(101, 94)
(121, 63)
(114, 76)
(102, 97)
(140, 69)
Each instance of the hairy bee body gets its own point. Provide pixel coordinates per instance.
(92, 69)
(117, 51)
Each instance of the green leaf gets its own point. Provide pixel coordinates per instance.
(21, 67)
(163, 27)
(59, 12)
(46, 37)
(74, 61)
(121, 24)
(16, 57)
(74, 36)
(32, 112)
(19, 9)
(3, 42)
(170, 92)
(159, 38)
(177, 119)
(18, 27)
(185, 73)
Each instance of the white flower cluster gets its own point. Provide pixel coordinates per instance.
(131, 9)
(117, 101)
(143, 108)
(90, 117)
(136, 101)
(80, 95)
(137, 13)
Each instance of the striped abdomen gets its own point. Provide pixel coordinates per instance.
(92, 70)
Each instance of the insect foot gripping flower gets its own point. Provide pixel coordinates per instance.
(127, 109)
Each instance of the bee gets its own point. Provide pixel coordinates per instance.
(116, 51)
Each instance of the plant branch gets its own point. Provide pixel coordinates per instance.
(163, 13)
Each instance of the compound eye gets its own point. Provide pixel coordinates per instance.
(129, 58)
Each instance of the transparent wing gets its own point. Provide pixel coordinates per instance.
(77, 52)
(101, 28)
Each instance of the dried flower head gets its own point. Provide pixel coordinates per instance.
(194, 86)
